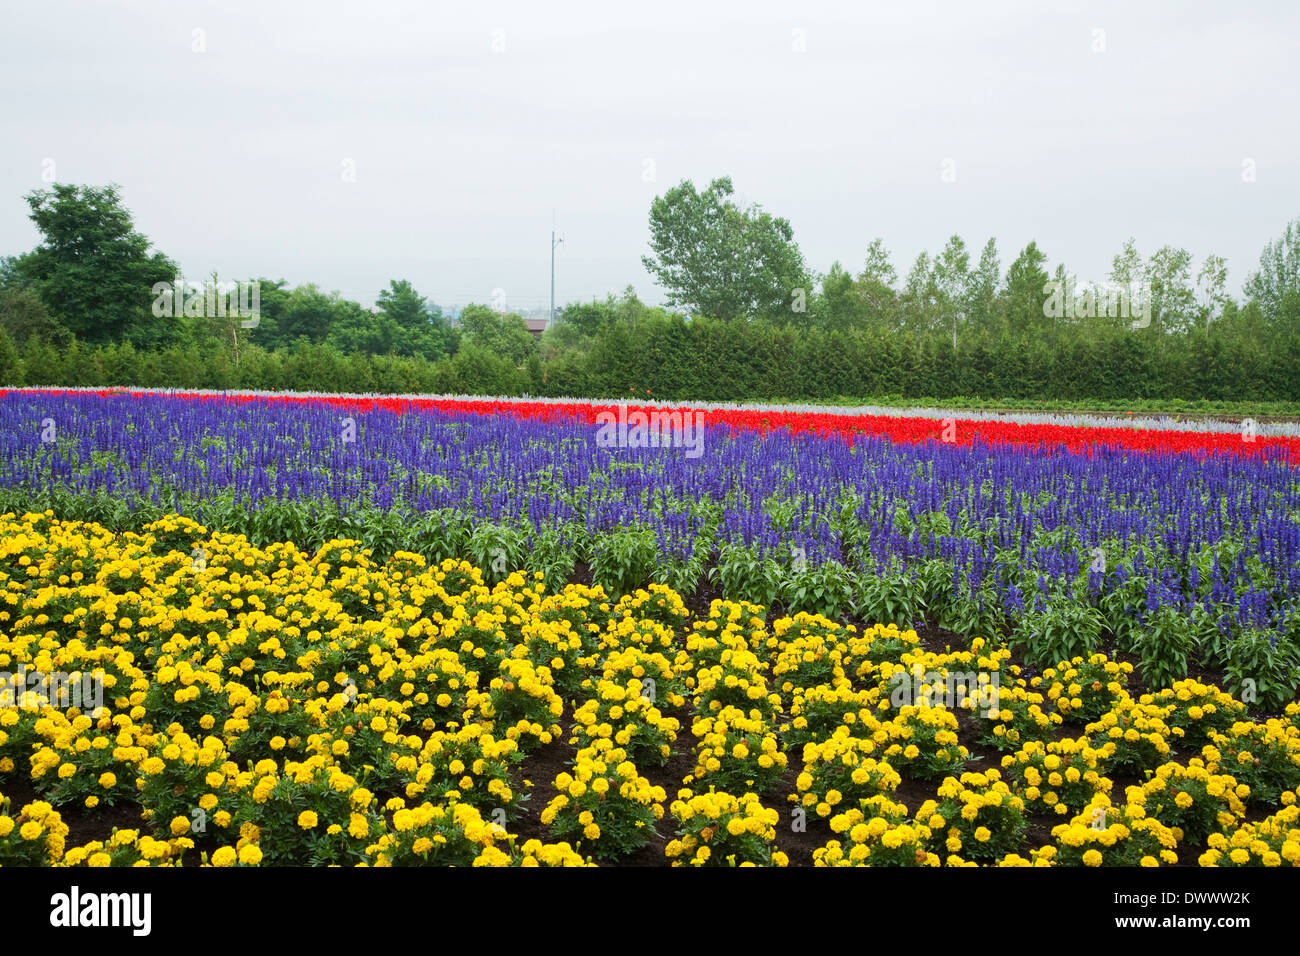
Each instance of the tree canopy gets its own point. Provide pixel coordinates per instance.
(723, 261)
(93, 270)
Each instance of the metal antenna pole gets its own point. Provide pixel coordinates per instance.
(554, 242)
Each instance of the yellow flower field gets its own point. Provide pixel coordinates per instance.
(177, 698)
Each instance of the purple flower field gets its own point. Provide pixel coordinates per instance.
(1066, 550)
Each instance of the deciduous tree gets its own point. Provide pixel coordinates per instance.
(720, 260)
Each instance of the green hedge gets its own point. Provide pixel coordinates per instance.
(739, 361)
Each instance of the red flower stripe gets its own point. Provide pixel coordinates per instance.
(1075, 438)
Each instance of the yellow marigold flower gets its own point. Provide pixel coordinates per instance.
(224, 856)
(307, 819)
(250, 855)
(30, 830)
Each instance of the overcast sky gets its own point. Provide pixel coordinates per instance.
(352, 143)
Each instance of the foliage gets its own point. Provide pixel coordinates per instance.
(721, 260)
(93, 270)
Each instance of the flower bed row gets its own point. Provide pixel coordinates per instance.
(268, 706)
(1073, 433)
(1183, 561)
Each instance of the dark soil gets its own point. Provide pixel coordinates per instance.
(84, 826)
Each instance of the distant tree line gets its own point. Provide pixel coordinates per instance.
(746, 320)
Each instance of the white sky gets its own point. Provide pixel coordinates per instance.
(232, 157)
